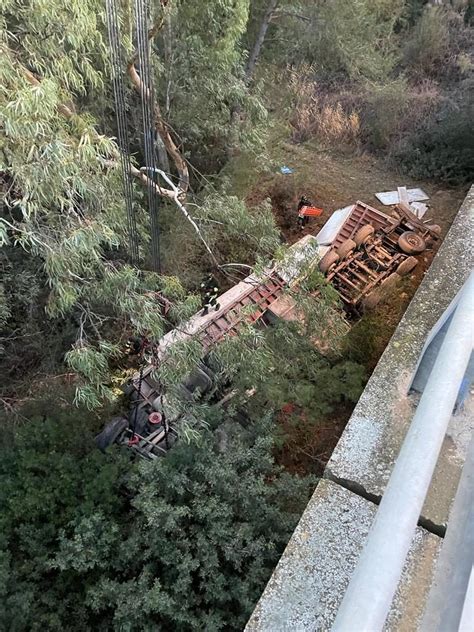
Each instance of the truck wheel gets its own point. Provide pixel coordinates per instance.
(328, 262)
(411, 243)
(111, 432)
(405, 267)
(434, 228)
(363, 235)
(380, 292)
(346, 248)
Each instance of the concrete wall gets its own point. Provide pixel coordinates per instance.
(307, 586)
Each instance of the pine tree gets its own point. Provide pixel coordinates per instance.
(183, 543)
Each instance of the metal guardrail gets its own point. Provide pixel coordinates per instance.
(368, 598)
(451, 597)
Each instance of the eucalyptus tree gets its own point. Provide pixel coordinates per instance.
(63, 205)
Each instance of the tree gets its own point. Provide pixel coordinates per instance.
(51, 475)
(356, 40)
(62, 206)
(184, 543)
(63, 197)
(254, 54)
(203, 78)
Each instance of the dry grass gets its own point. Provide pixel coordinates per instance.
(313, 115)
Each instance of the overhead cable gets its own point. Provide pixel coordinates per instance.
(122, 126)
(148, 123)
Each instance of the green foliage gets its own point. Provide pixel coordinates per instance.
(240, 232)
(347, 39)
(184, 543)
(428, 43)
(213, 550)
(202, 77)
(51, 475)
(61, 206)
(5, 312)
(299, 374)
(180, 360)
(387, 106)
(442, 147)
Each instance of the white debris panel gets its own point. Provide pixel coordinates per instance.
(391, 197)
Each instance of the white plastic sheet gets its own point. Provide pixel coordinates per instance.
(391, 197)
(329, 231)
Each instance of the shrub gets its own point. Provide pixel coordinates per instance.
(442, 148)
(395, 110)
(93, 542)
(319, 116)
(439, 45)
(428, 43)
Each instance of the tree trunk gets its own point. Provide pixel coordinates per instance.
(257, 47)
(162, 130)
(236, 110)
(168, 50)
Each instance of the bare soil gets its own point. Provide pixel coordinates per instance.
(333, 180)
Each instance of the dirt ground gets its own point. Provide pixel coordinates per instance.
(333, 181)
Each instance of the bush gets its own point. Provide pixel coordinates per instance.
(51, 475)
(95, 542)
(395, 110)
(428, 44)
(439, 46)
(318, 116)
(442, 148)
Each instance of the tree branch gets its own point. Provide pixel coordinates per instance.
(62, 109)
(160, 125)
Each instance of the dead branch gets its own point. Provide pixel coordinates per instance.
(162, 130)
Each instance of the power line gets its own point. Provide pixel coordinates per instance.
(147, 100)
(122, 126)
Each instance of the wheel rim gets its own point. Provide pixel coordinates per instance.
(414, 241)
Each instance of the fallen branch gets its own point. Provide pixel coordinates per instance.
(182, 208)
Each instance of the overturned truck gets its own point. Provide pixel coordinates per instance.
(154, 423)
(370, 251)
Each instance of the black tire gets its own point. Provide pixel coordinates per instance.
(198, 380)
(111, 432)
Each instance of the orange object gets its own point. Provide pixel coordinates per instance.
(310, 211)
